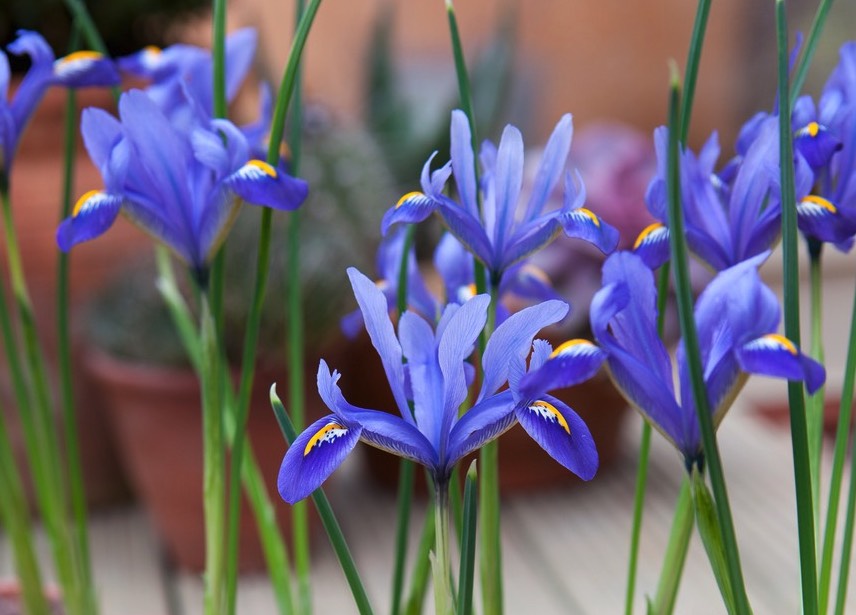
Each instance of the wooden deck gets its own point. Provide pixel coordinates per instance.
(565, 551)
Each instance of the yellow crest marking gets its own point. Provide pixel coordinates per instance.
(407, 197)
(646, 232)
(321, 435)
(153, 50)
(570, 343)
(590, 215)
(80, 55)
(264, 166)
(782, 340)
(548, 411)
(820, 202)
(82, 201)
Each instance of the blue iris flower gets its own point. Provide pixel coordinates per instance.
(433, 381)
(183, 185)
(736, 317)
(827, 135)
(79, 69)
(500, 235)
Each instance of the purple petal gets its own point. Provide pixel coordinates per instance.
(85, 68)
(259, 183)
(93, 214)
(571, 363)
(411, 208)
(774, 355)
(552, 165)
(313, 456)
(562, 433)
(513, 339)
(463, 162)
(652, 245)
(482, 423)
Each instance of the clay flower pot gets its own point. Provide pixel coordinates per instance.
(155, 414)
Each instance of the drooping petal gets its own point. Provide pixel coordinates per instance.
(816, 143)
(83, 69)
(411, 208)
(820, 219)
(91, 216)
(775, 355)
(652, 245)
(513, 338)
(562, 433)
(571, 363)
(314, 455)
(259, 183)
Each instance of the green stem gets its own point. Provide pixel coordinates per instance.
(814, 403)
(406, 469)
(644, 451)
(214, 469)
(443, 601)
(15, 516)
(842, 435)
(693, 61)
(638, 504)
(799, 431)
(468, 543)
(691, 344)
(72, 437)
(53, 500)
(676, 553)
(328, 519)
(287, 88)
(419, 576)
(810, 47)
(847, 542)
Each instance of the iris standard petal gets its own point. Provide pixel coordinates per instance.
(259, 183)
(507, 182)
(562, 433)
(314, 455)
(91, 216)
(513, 338)
(426, 381)
(455, 345)
(775, 355)
(375, 311)
(571, 363)
(551, 167)
(463, 161)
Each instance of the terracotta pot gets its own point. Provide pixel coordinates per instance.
(10, 599)
(36, 184)
(523, 465)
(155, 414)
(778, 412)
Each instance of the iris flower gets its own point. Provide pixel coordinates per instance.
(181, 72)
(736, 317)
(183, 187)
(500, 235)
(828, 133)
(434, 380)
(79, 69)
(730, 216)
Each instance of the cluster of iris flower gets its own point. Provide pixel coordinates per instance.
(733, 220)
(169, 165)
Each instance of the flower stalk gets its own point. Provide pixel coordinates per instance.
(799, 433)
